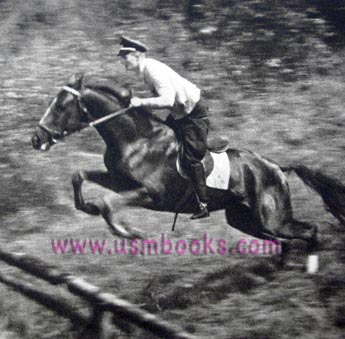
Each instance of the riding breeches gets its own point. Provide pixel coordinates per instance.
(191, 131)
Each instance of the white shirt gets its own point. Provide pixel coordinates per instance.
(170, 89)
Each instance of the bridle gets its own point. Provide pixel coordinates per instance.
(54, 134)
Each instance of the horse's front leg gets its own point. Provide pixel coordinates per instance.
(112, 209)
(99, 177)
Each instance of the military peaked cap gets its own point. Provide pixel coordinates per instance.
(130, 45)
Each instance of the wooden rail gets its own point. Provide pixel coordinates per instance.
(99, 301)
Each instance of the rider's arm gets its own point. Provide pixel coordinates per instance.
(158, 80)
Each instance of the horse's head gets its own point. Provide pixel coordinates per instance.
(77, 105)
(65, 115)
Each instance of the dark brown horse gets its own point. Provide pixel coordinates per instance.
(141, 165)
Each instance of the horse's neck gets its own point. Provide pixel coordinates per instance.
(133, 130)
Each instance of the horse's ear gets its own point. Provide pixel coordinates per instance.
(72, 80)
(81, 82)
(78, 83)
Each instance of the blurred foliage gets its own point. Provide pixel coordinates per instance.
(273, 72)
(255, 40)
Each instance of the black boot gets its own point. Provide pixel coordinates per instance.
(202, 212)
(197, 177)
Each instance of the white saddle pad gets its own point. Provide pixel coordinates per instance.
(219, 177)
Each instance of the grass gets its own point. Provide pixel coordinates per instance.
(289, 117)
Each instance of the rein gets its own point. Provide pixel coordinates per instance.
(108, 117)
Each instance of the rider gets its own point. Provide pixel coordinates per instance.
(188, 115)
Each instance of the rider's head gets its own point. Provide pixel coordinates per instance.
(131, 60)
(132, 52)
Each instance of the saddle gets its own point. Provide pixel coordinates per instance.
(218, 144)
(216, 163)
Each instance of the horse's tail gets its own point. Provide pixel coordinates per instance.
(331, 190)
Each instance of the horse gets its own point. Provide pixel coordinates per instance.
(140, 159)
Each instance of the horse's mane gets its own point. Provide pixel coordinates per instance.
(123, 95)
(110, 86)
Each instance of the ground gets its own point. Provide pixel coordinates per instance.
(289, 110)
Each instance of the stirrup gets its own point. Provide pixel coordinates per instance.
(202, 212)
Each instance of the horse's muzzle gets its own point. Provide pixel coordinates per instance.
(36, 142)
(41, 140)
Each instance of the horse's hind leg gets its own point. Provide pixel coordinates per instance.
(303, 231)
(275, 213)
(242, 218)
(269, 216)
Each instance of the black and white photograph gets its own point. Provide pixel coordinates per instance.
(172, 169)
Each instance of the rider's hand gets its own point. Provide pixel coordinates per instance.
(136, 102)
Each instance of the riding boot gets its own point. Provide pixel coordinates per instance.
(197, 177)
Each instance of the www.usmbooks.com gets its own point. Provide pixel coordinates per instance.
(165, 246)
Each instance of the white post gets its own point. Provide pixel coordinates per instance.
(312, 264)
